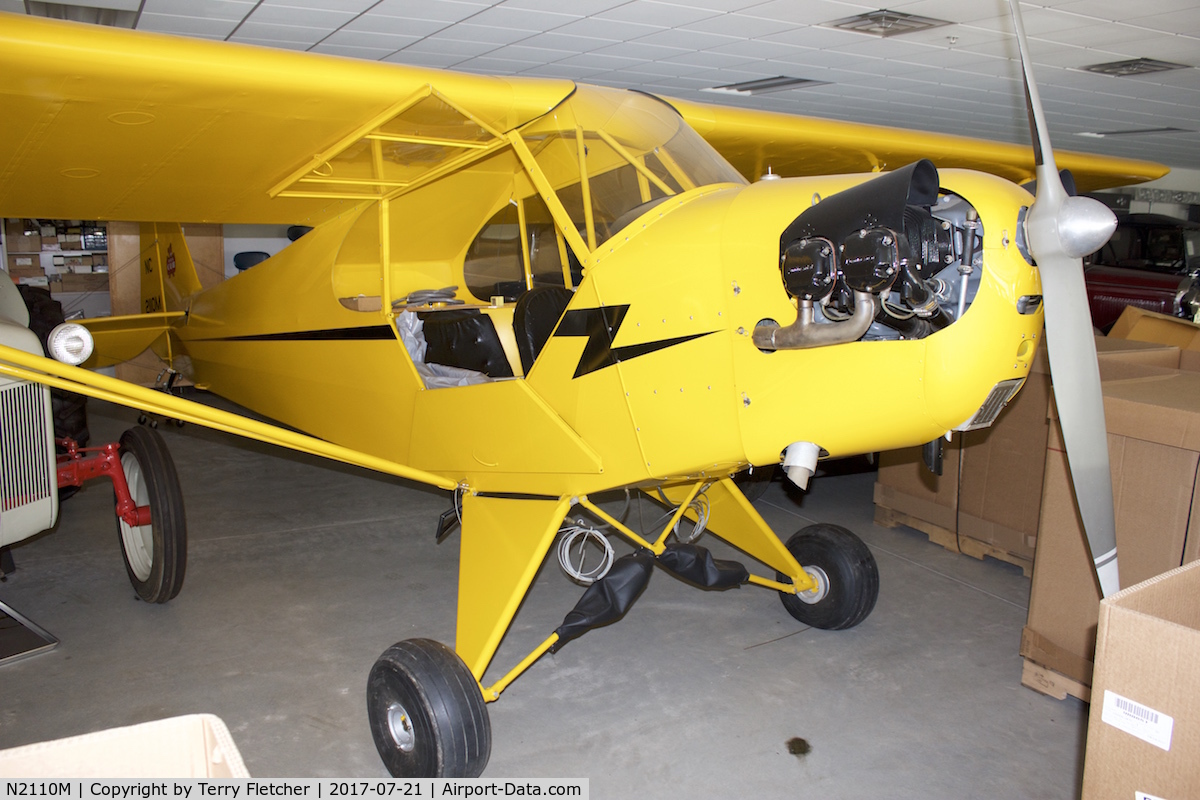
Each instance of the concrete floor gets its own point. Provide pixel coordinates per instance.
(301, 572)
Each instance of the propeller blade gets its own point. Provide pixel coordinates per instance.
(1060, 230)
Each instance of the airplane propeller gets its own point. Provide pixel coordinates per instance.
(1060, 230)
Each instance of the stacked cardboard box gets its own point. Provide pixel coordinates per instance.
(56, 254)
(987, 502)
(1153, 418)
(1144, 731)
(22, 236)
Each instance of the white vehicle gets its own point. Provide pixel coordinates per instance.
(149, 505)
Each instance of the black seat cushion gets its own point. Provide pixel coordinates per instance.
(534, 318)
(464, 338)
(249, 259)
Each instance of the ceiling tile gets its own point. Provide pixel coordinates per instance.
(303, 17)
(333, 6)
(608, 29)
(281, 44)
(401, 26)
(449, 47)
(524, 19)
(442, 11)
(272, 32)
(350, 51)
(809, 12)
(203, 9)
(369, 40)
(663, 15)
(582, 8)
(688, 40)
(467, 32)
(739, 25)
(186, 26)
(1185, 22)
(642, 51)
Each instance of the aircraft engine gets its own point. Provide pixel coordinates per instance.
(877, 261)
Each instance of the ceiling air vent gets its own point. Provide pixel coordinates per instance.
(885, 23)
(1135, 66)
(765, 85)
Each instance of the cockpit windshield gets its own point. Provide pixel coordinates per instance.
(608, 153)
(609, 156)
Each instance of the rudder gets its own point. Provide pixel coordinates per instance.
(168, 273)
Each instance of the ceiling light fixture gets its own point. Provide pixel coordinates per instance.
(765, 85)
(1134, 66)
(885, 23)
(96, 15)
(1133, 132)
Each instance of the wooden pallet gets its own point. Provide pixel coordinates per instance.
(1054, 684)
(891, 518)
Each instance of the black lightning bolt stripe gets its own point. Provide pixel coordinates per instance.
(364, 334)
(600, 326)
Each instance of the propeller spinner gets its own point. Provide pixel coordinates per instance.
(1060, 230)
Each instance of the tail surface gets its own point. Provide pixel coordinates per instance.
(168, 274)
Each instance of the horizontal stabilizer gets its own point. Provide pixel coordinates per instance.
(120, 339)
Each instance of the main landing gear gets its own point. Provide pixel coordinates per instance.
(427, 710)
(427, 714)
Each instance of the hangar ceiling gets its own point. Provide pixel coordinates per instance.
(958, 75)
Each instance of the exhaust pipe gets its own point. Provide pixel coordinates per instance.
(807, 332)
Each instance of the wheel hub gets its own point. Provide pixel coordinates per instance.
(816, 594)
(400, 726)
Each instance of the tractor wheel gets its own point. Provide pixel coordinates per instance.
(846, 575)
(155, 554)
(428, 717)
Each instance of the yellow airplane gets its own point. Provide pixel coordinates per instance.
(529, 292)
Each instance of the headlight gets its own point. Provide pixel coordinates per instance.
(70, 343)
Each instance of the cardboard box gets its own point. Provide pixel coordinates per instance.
(193, 746)
(993, 507)
(23, 261)
(1144, 729)
(1137, 324)
(1153, 418)
(73, 282)
(21, 236)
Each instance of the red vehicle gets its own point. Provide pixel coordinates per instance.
(1153, 262)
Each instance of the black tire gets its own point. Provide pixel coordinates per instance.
(753, 481)
(155, 554)
(428, 717)
(845, 568)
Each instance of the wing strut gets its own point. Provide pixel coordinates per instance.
(39, 369)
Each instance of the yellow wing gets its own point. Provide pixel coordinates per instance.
(791, 145)
(100, 123)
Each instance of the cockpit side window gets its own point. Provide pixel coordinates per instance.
(517, 249)
(494, 263)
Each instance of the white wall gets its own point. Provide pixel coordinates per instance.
(245, 238)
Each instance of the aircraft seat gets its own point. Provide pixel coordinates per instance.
(534, 317)
(244, 261)
(464, 338)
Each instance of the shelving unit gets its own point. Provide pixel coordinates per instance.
(67, 257)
